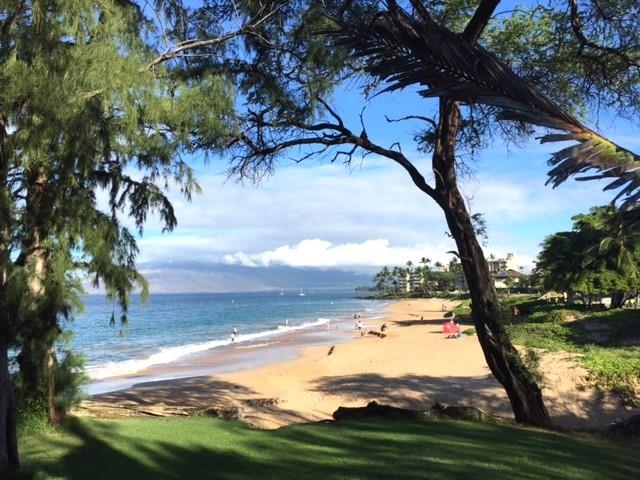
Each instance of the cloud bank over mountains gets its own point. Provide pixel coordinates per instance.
(322, 253)
(205, 277)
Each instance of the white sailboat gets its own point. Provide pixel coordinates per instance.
(301, 294)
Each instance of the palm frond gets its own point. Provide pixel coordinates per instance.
(406, 50)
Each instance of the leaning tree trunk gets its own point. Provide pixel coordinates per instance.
(501, 356)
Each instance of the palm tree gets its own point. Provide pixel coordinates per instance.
(383, 279)
(424, 274)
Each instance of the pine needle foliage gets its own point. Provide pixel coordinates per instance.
(91, 141)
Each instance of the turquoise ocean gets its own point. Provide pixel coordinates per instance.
(171, 329)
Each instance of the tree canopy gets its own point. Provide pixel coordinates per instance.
(595, 259)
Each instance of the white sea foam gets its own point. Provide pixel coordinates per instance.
(172, 354)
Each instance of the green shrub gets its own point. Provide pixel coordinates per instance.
(617, 370)
(69, 378)
(531, 360)
(32, 418)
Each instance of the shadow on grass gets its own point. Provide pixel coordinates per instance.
(430, 448)
(106, 450)
(607, 329)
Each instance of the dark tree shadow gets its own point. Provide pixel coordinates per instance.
(356, 450)
(190, 392)
(419, 391)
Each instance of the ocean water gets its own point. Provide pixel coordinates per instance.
(172, 328)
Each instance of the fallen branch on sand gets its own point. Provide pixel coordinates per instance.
(375, 410)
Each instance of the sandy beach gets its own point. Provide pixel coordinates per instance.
(414, 367)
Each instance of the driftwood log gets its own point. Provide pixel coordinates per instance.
(628, 428)
(464, 412)
(373, 410)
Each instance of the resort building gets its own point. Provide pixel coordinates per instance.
(411, 282)
(507, 279)
(501, 264)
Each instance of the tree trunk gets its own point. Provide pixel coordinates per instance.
(40, 329)
(37, 369)
(501, 356)
(9, 459)
(617, 299)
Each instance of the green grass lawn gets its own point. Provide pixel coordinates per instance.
(203, 448)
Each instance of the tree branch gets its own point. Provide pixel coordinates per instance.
(324, 134)
(576, 26)
(479, 21)
(428, 120)
(181, 47)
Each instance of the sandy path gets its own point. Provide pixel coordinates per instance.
(414, 367)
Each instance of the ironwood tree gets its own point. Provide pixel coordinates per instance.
(89, 137)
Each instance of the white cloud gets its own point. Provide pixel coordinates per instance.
(327, 215)
(322, 253)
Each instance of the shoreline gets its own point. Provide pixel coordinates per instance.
(251, 350)
(414, 367)
(284, 346)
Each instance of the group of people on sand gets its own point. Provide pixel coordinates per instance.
(362, 330)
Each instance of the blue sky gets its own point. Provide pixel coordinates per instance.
(369, 214)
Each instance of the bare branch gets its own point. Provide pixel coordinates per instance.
(428, 120)
(576, 26)
(322, 134)
(178, 49)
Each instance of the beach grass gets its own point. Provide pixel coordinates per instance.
(431, 448)
(606, 343)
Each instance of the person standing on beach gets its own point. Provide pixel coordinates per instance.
(234, 333)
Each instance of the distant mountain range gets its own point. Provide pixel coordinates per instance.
(200, 277)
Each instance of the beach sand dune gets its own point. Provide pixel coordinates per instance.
(414, 367)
